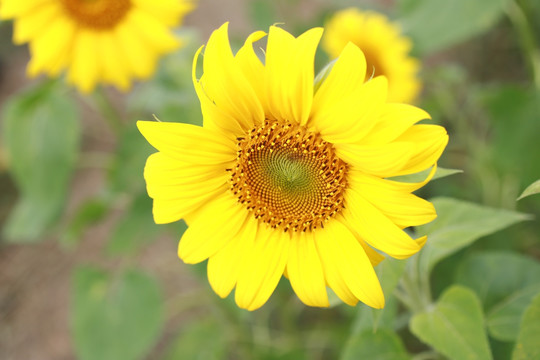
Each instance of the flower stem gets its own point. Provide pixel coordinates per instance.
(109, 113)
(527, 39)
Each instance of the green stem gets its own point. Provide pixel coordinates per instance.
(108, 111)
(527, 39)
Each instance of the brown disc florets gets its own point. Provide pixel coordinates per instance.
(288, 177)
(97, 14)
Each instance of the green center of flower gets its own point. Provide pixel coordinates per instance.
(288, 177)
(97, 14)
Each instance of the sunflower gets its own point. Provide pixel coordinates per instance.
(285, 180)
(98, 41)
(385, 49)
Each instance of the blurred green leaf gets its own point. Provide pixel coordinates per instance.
(438, 24)
(381, 345)
(115, 317)
(505, 284)
(421, 176)
(41, 134)
(532, 189)
(454, 326)
(527, 345)
(199, 340)
(514, 119)
(87, 214)
(263, 13)
(126, 174)
(135, 229)
(459, 224)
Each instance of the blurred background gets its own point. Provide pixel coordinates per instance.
(480, 81)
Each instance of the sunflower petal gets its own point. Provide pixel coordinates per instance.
(205, 238)
(189, 143)
(225, 84)
(376, 229)
(224, 267)
(351, 264)
(289, 74)
(305, 271)
(265, 264)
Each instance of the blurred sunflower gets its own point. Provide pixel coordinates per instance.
(385, 49)
(98, 41)
(283, 179)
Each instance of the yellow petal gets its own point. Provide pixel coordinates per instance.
(305, 270)
(224, 266)
(138, 59)
(350, 118)
(170, 12)
(153, 31)
(429, 142)
(32, 25)
(178, 188)
(376, 229)
(402, 208)
(51, 50)
(84, 71)
(346, 76)
(394, 120)
(380, 160)
(289, 74)
(263, 267)
(216, 223)
(337, 245)
(189, 143)
(113, 62)
(15, 8)
(225, 84)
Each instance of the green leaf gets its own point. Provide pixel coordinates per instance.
(458, 225)
(41, 134)
(90, 212)
(136, 229)
(115, 317)
(263, 13)
(199, 340)
(454, 326)
(527, 345)
(438, 24)
(421, 176)
(126, 174)
(505, 284)
(532, 189)
(381, 345)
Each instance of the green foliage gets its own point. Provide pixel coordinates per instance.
(454, 326)
(505, 284)
(201, 340)
(380, 345)
(459, 224)
(435, 25)
(532, 189)
(528, 346)
(41, 135)
(115, 316)
(135, 229)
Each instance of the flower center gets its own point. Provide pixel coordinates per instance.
(288, 177)
(97, 14)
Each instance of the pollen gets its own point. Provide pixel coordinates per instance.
(97, 14)
(288, 177)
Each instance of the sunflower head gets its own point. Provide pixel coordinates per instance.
(285, 178)
(95, 41)
(386, 50)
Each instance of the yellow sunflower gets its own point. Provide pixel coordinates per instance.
(97, 41)
(285, 180)
(385, 49)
